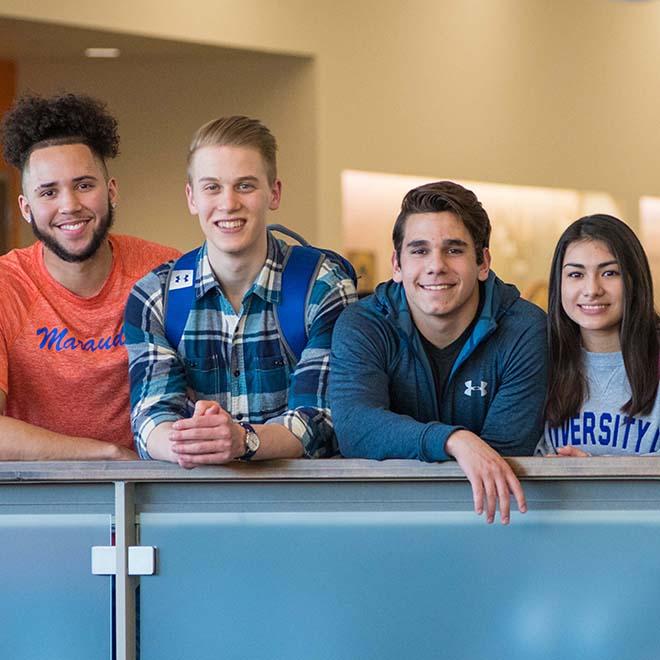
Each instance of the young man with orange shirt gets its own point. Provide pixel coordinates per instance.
(63, 364)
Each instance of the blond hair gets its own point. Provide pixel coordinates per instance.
(237, 131)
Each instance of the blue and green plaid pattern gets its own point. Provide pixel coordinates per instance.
(235, 359)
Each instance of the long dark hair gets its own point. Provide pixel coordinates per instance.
(567, 386)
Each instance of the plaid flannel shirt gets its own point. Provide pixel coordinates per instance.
(235, 359)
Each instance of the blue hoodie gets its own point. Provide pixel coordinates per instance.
(382, 392)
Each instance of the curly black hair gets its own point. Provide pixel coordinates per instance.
(63, 119)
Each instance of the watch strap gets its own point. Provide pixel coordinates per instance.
(249, 452)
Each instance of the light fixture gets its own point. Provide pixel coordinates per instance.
(102, 52)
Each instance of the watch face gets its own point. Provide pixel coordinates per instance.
(252, 441)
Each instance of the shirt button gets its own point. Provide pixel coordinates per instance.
(239, 416)
(237, 373)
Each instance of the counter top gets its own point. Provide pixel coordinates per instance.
(323, 470)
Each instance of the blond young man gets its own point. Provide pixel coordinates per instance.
(229, 388)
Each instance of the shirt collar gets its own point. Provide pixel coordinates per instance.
(268, 283)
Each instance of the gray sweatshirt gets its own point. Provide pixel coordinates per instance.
(601, 428)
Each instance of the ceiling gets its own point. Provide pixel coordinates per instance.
(28, 39)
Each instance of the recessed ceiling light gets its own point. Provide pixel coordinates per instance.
(102, 52)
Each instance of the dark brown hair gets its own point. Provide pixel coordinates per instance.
(36, 121)
(567, 385)
(445, 196)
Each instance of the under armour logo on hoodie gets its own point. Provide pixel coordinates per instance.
(469, 388)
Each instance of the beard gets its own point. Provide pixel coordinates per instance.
(98, 237)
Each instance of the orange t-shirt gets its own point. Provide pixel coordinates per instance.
(63, 365)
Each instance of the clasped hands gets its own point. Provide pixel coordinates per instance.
(209, 437)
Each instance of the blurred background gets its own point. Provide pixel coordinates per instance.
(547, 109)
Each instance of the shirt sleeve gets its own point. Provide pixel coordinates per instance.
(156, 373)
(4, 360)
(308, 415)
(12, 318)
(360, 390)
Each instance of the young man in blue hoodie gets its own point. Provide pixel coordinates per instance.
(444, 360)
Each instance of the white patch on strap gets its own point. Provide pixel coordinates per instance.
(181, 279)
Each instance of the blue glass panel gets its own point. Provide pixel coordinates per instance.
(51, 606)
(328, 586)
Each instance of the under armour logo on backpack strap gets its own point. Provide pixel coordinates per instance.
(469, 388)
(181, 279)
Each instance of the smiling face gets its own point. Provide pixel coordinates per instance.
(230, 192)
(440, 275)
(67, 200)
(592, 294)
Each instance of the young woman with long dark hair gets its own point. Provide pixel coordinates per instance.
(603, 333)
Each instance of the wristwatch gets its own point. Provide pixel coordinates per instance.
(251, 441)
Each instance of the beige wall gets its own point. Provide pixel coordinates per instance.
(538, 92)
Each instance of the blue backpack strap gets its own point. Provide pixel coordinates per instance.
(179, 296)
(335, 257)
(288, 232)
(298, 275)
(299, 271)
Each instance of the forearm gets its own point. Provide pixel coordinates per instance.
(313, 429)
(365, 425)
(364, 431)
(276, 441)
(156, 374)
(360, 387)
(159, 445)
(20, 441)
